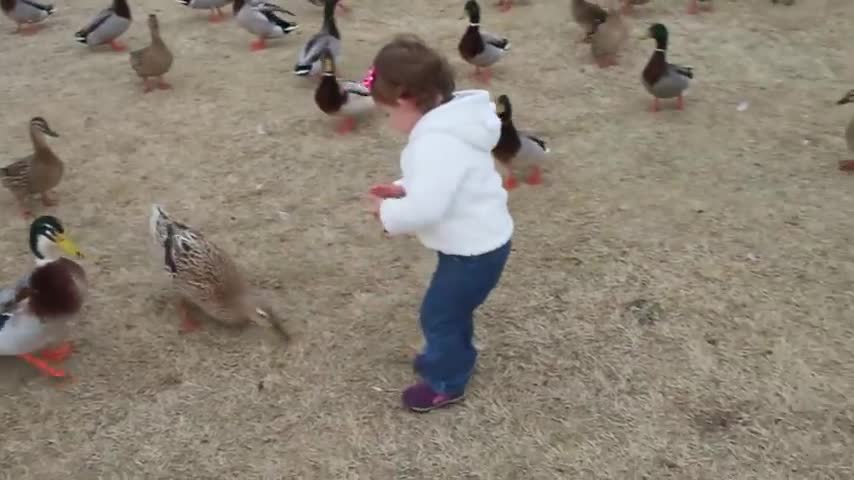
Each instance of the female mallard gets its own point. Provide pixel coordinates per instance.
(26, 14)
(609, 38)
(481, 49)
(153, 61)
(327, 39)
(35, 174)
(848, 165)
(663, 79)
(37, 310)
(588, 16)
(347, 100)
(107, 26)
(516, 149)
(695, 6)
(259, 18)
(215, 6)
(206, 277)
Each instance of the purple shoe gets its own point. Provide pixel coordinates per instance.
(421, 398)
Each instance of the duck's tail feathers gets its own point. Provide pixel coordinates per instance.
(540, 142)
(50, 9)
(186, 3)
(81, 37)
(302, 70)
(686, 71)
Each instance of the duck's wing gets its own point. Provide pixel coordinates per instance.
(683, 70)
(10, 296)
(96, 22)
(495, 40)
(355, 88)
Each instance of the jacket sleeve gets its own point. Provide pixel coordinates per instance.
(432, 176)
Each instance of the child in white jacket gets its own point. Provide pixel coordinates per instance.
(451, 197)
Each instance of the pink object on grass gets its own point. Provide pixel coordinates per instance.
(368, 80)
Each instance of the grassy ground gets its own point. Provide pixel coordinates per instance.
(678, 303)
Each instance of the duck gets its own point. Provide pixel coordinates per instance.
(36, 312)
(346, 100)
(27, 14)
(695, 6)
(663, 79)
(107, 26)
(609, 38)
(588, 16)
(517, 149)
(152, 61)
(206, 278)
(478, 48)
(259, 18)
(215, 6)
(36, 174)
(328, 38)
(848, 165)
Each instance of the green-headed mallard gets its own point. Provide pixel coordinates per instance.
(517, 149)
(663, 79)
(205, 276)
(327, 39)
(152, 61)
(26, 14)
(588, 16)
(107, 26)
(347, 100)
(848, 165)
(35, 174)
(479, 48)
(36, 312)
(215, 6)
(259, 18)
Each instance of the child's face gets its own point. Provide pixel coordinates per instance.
(403, 116)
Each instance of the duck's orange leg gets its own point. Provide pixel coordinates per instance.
(42, 365)
(346, 125)
(188, 323)
(654, 107)
(510, 182)
(846, 165)
(535, 177)
(117, 46)
(163, 84)
(57, 353)
(260, 43)
(680, 103)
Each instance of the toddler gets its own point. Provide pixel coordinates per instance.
(451, 197)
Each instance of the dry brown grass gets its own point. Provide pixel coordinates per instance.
(678, 304)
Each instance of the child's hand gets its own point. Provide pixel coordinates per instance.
(388, 190)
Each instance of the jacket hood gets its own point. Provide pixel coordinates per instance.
(469, 116)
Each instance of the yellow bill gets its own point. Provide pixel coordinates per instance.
(68, 246)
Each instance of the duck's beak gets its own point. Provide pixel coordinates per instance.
(68, 246)
(645, 36)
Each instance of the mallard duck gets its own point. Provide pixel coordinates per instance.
(848, 165)
(609, 38)
(107, 26)
(588, 16)
(481, 49)
(205, 276)
(259, 18)
(153, 61)
(215, 6)
(26, 14)
(517, 149)
(346, 100)
(35, 174)
(695, 6)
(663, 79)
(328, 38)
(35, 313)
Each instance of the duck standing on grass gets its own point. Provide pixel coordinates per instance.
(26, 14)
(609, 38)
(848, 165)
(215, 6)
(36, 174)
(153, 61)
(479, 48)
(36, 312)
(516, 149)
(259, 18)
(663, 79)
(107, 26)
(347, 100)
(327, 39)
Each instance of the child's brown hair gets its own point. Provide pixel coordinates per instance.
(406, 68)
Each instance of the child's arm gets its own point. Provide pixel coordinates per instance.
(433, 175)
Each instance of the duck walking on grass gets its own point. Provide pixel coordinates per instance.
(479, 48)
(327, 39)
(153, 61)
(27, 14)
(517, 149)
(259, 18)
(663, 79)
(347, 100)
(36, 312)
(215, 6)
(107, 26)
(609, 38)
(36, 174)
(848, 165)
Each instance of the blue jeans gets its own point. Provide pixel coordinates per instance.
(460, 284)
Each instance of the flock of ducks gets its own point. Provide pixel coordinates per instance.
(35, 312)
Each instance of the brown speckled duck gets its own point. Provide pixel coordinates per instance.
(609, 38)
(36, 174)
(588, 16)
(517, 149)
(153, 61)
(347, 100)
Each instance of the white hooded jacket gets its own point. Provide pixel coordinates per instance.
(455, 202)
